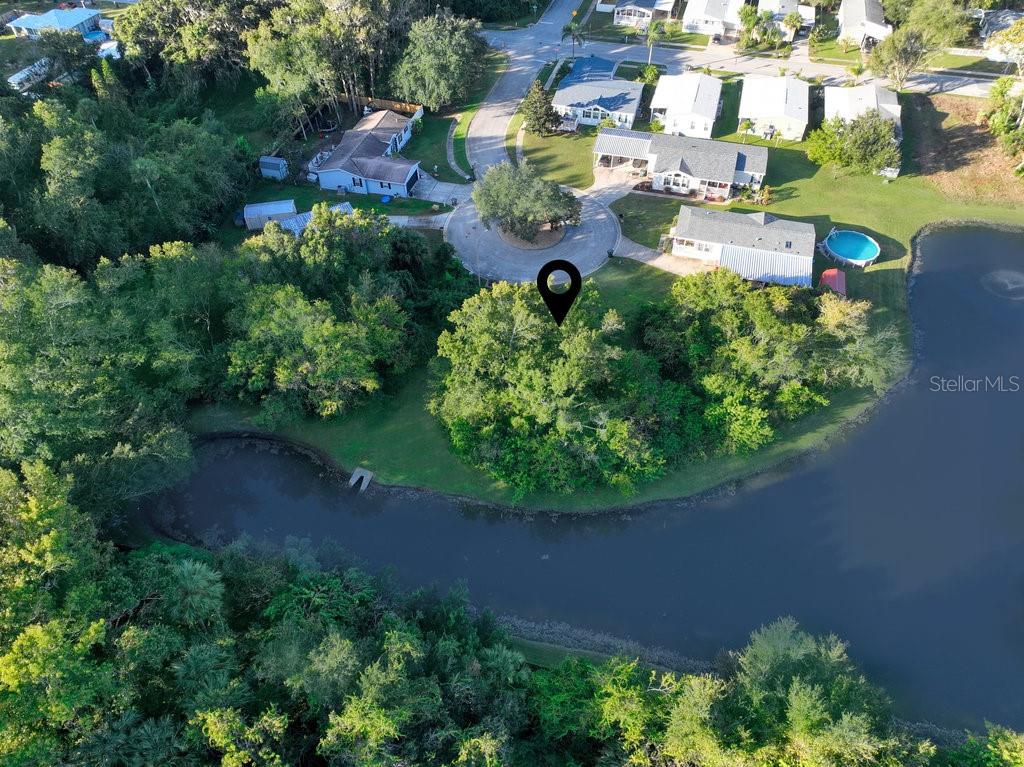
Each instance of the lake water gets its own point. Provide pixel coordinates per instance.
(906, 538)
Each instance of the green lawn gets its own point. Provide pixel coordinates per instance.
(567, 158)
(630, 70)
(540, 6)
(430, 147)
(601, 26)
(829, 50)
(16, 53)
(644, 218)
(495, 64)
(971, 64)
(510, 135)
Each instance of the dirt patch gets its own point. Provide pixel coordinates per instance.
(546, 238)
(958, 154)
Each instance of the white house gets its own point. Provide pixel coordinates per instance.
(863, 21)
(780, 9)
(695, 167)
(257, 214)
(757, 246)
(83, 20)
(590, 94)
(712, 17)
(776, 105)
(687, 104)
(366, 159)
(640, 13)
(850, 103)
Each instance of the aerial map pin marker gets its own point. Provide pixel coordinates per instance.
(559, 304)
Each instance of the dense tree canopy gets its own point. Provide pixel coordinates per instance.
(867, 143)
(91, 176)
(440, 62)
(549, 408)
(719, 365)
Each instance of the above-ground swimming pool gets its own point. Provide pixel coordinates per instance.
(852, 247)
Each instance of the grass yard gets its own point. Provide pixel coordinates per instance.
(645, 218)
(522, 21)
(971, 64)
(567, 158)
(630, 70)
(495, 64)
(510, 135)
(430, 147)
(830, 51)
(16, 53)
(601, 26)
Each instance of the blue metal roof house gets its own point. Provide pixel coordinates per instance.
(83, 20)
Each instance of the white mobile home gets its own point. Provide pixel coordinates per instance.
(640, 13)
(712, 17)
(863, 21)
(776, 105)
(757, 246)
(687, 104)
(590, 94)
(693, 167)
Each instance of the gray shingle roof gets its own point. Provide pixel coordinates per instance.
(760, 231)
(706, 158)
(362, 149)
(697, 157)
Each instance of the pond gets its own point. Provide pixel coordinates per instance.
(905, 538)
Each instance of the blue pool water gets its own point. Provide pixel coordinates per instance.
(852, 246)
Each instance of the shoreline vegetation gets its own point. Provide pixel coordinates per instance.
(545, 645)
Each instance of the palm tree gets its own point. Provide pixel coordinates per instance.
(856, 69)
(792, 22)
(574, 32)
(745, 127)
(655, 34)
(194, 594)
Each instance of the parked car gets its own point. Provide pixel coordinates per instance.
(716, 39)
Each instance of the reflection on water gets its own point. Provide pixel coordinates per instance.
(905, 538)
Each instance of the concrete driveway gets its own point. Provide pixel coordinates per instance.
(429, 188)
(484, 253)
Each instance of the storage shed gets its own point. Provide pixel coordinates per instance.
(273, 167)
(834, 279)
(259, 213)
